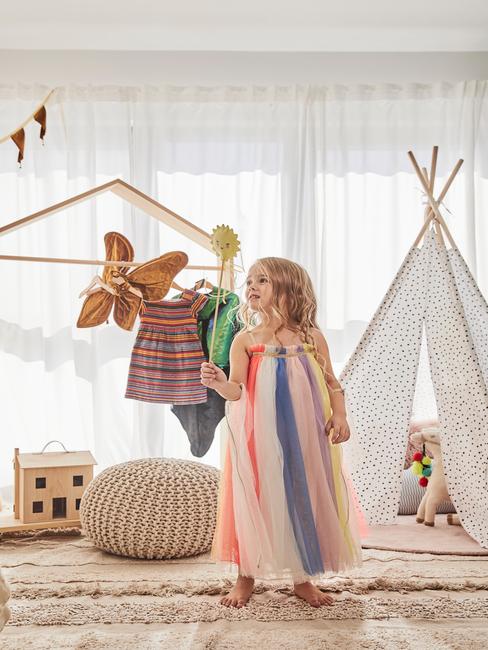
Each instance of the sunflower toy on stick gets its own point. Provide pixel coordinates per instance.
(226, 245)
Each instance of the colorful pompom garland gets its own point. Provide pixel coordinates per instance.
(421, 466)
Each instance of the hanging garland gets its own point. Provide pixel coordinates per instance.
(18, 136)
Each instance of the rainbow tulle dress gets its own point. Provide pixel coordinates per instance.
(286, 506)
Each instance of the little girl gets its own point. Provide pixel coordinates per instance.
(286, 507)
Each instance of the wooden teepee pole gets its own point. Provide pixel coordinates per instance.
(433, 168)
(435, 213)
(431, 181)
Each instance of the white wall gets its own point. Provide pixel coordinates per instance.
(64, 67)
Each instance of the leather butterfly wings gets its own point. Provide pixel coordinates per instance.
(125, 290)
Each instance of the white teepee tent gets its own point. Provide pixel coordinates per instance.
(433, 292)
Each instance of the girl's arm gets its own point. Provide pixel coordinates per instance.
(214, 377)
(338, 421)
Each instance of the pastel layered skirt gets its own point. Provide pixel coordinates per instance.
(286, 506)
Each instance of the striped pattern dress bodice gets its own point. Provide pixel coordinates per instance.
(167, 354)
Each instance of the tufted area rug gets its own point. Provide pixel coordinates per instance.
(407, 535)
(68, 594)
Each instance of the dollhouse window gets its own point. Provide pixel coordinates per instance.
(37, 506)
(59, 507)
(78, 480)
(77, 504)
(40, 482)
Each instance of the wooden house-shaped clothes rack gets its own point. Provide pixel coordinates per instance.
(137, 199)
(147, 205)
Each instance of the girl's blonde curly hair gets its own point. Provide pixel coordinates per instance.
(294, 302)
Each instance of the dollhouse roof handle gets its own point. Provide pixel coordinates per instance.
(48, 443)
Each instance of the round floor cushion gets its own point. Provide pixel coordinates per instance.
(154, 508)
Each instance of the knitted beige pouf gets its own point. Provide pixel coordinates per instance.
(152, 508)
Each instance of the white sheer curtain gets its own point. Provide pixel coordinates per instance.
(317, 174)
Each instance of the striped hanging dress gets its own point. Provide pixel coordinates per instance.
(167, 354)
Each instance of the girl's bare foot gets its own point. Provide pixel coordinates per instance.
(312, 594)
(240, 593)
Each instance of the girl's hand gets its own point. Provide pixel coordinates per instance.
(341, 429)
(211, 375)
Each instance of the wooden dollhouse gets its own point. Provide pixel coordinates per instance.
(48, 488)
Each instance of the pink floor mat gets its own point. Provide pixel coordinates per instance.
(407, 535)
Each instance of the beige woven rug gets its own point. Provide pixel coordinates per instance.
(68, 594)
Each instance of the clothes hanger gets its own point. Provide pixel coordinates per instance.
(203, 283)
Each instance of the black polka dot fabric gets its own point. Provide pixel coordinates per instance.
(432, 289)
(475, 308)
(457, 350)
